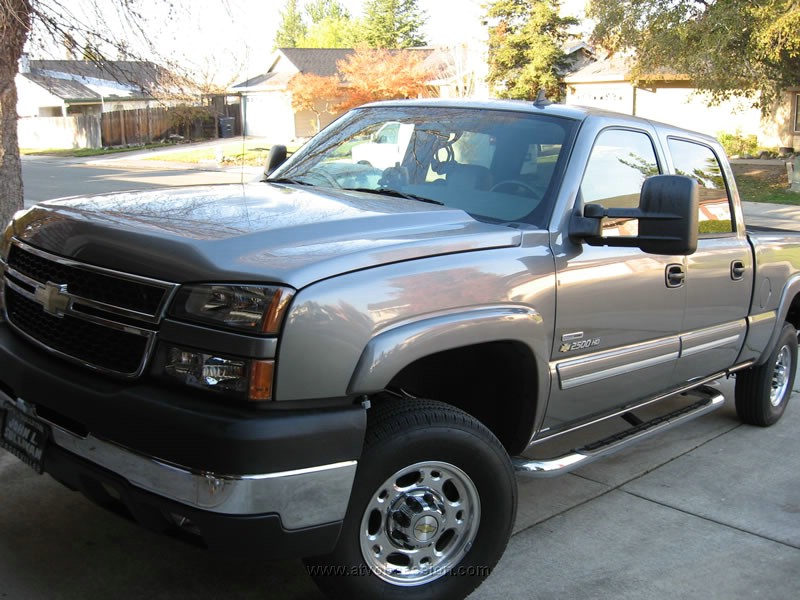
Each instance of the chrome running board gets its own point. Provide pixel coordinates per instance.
(709, 400)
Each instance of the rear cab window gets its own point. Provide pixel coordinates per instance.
(698, 161)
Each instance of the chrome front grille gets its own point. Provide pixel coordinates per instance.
(97, 317)
(109, 289)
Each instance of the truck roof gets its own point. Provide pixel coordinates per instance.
(578, 113)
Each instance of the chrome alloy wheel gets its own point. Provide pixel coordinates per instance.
(780, 377)
(420, 523)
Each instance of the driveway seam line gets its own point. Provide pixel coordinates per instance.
(624, 483)
(709, 519)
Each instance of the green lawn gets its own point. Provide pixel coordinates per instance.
(764, 183)
(82, 152)
(231, 153)
(234, 153)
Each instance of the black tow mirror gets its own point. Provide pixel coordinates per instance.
(277, 156)
(667, 218)
(669, 206)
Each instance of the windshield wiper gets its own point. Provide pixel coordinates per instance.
(287, 180)
(396, 194)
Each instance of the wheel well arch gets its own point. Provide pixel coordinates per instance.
(788, 311)
(793, 314)
(495, 382)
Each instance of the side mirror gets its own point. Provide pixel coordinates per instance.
(277, 156)
(667, 217)
(670, 205)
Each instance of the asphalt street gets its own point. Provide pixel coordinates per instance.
(45, 178)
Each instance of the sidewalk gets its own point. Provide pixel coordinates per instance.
(779, 216)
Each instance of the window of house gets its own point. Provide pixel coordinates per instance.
(699, 162)
(621, 160)
(797, 112)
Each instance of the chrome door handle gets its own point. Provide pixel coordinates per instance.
(737, 270)
(675, 276)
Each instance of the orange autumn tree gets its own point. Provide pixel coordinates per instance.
(372, 74)
(366, 75)
(315, 93)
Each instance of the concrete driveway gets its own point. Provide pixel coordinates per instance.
(707, 511)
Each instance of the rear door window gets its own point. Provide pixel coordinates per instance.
(699, 162)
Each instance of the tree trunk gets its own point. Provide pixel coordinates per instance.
(14, 27)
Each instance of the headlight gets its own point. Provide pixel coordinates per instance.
(5, 242)
(253, 309)
(242, 308)
(5, 247)
(249, 379)
(7, 232)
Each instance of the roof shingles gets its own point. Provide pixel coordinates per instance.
(83, 80)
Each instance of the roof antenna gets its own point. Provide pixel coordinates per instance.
(541, 98)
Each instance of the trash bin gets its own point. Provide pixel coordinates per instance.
(226, 127)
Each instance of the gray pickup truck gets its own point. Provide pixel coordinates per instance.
(348, 362)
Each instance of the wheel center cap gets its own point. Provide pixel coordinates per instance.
(425, 529)
(416, 519)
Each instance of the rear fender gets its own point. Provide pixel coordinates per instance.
(790, 292)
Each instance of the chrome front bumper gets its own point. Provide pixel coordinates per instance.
(302, 498)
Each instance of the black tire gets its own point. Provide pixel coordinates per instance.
(763, 392)
(445, 519)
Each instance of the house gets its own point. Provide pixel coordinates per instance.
(456, 71)
(666, 96)
(579, 55)
(266, 99)
(59, 88)
(60, 102)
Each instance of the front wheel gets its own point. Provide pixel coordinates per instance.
(431, 511)
(762, 392)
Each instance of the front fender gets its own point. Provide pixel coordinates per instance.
(398, 346)
(350, 332)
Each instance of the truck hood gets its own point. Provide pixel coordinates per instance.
(263, 232)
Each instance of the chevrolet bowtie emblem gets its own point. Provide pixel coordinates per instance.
(53, 297)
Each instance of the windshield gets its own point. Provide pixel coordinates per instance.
(496, 165)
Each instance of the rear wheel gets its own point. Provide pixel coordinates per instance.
(762, 392)
(431, 510)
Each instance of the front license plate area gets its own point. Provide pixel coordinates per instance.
(23, 436)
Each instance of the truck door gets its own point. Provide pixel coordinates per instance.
(619, 310)
(719, 276)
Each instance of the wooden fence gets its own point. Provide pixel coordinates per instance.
(148, 125)
(133, 127)
(122, 128)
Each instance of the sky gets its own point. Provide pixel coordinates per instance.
(251, 37)
(233, 39)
